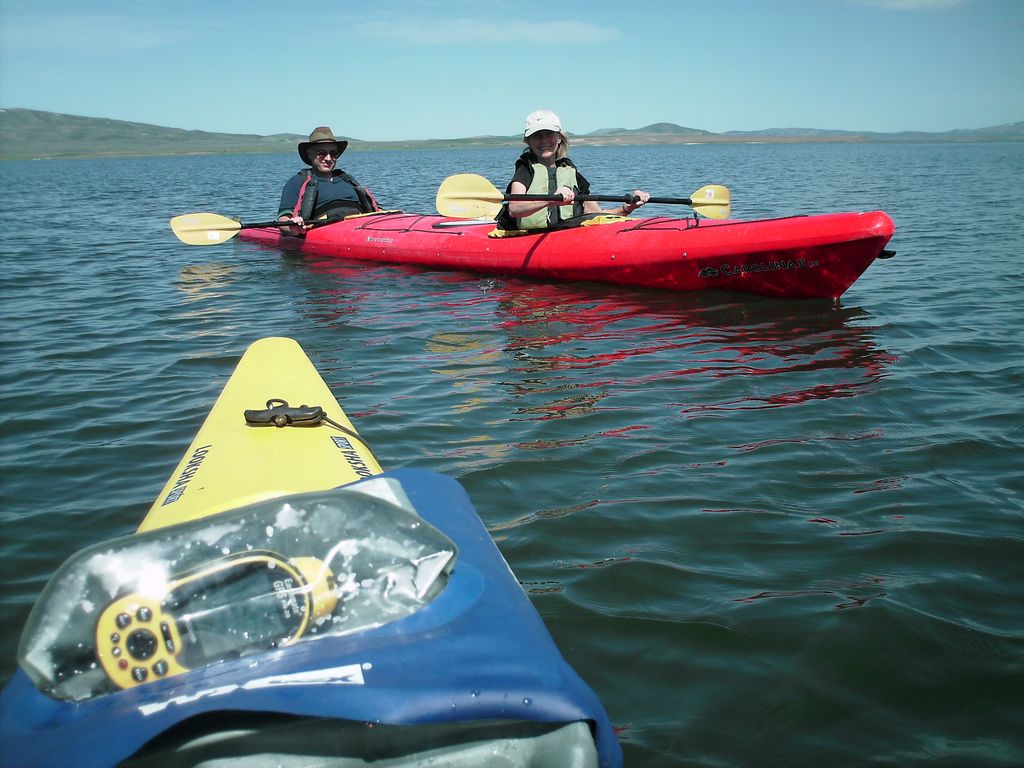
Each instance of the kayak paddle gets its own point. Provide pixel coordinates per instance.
(212, 228)
(469, 196)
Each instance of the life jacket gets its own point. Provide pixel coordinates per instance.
(544, 181)
(306, 205)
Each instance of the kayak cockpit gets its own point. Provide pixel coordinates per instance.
(262, 739)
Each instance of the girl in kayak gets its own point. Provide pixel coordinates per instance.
(545, 169)
(322, 191)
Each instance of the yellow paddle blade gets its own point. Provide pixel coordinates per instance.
(711, 201)
(468, 196)
(204, 228)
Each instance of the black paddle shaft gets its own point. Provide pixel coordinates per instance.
(628, 199)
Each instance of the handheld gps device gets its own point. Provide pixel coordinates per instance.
(229, 607)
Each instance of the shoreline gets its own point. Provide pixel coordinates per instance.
(604, 141)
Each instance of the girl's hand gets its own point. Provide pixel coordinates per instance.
(567, 196)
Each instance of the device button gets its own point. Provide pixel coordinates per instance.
(141, 644)
(123, 620)
(168, 637)
(160, 668)
(139, 674)
(144, 614)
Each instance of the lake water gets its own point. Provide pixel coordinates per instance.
(766, 532)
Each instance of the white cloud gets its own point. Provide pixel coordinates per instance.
(92, 33)
(911, 5)
(463, 31)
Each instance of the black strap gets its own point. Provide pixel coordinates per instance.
(279, 414)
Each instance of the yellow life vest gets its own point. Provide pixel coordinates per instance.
(545, 181)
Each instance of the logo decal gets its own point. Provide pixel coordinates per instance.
(186, 475)
(731, 270)
(349, 674)
(352, 456)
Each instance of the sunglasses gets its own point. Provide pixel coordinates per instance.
(326, 152)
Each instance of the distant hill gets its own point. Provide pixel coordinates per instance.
(31, 134)
(27, 133)
(656, 129)
(1011, 131)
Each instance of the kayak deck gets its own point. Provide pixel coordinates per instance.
(231, 462)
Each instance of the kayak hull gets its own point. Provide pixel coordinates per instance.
(796, 257)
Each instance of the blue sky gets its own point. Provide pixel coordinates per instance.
(450, 68)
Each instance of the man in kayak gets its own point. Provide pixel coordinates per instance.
(545, 169)
(322, 191)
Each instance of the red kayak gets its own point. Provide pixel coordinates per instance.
(794, 257)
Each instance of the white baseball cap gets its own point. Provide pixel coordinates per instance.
(542, 120)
